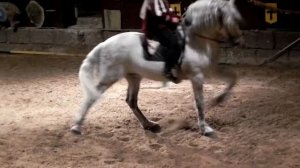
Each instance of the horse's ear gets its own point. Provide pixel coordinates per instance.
(232, 2)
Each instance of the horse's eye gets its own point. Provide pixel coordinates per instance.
(187, 22)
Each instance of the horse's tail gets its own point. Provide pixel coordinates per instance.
(88, 76)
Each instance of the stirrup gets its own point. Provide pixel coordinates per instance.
(172, 75)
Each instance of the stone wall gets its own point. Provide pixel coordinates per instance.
(259, 44)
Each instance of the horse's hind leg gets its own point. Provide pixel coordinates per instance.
(197, 82)
(89, 99)
(131, 99)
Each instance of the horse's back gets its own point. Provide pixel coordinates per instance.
(117, 42)
(124, 38)
(117, 51)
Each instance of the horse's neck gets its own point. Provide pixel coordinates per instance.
(199, 55)
(202, 45)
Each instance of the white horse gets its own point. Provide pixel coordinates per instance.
(120, 56)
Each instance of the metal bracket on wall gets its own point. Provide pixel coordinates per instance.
(280, 53)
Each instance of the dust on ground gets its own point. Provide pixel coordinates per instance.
(257, 126)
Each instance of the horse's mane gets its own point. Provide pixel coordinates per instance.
(207, 14)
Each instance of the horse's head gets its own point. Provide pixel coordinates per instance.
(214, 19)
(229, 22)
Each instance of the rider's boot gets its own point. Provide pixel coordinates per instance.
(171, 73)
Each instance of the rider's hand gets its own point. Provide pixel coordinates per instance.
(175, 20)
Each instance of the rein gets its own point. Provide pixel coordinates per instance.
(208, 38)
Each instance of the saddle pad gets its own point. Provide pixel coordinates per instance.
(152, 49)
(152, 46)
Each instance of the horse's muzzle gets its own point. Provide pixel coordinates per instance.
(237, 41)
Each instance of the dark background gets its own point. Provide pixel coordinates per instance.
(61, 13)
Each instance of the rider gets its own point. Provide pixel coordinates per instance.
(160, 23)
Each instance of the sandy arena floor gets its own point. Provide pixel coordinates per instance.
(258, 126)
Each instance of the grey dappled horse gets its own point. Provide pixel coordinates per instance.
(120, 56)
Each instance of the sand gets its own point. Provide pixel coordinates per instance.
(257, 126)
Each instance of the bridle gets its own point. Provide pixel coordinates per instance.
(209, 38)
(230, 38)
(201, 36)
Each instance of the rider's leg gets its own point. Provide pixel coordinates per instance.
(169, 39)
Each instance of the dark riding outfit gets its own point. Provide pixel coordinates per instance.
(160, 23)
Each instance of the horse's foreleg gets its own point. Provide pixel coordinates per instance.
(131, 99)
(197, 83)
(230, 78)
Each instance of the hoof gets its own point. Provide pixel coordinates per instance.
(209, 134)
(154, 127)
(207, 131)
(219, 99)
(76, 130)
